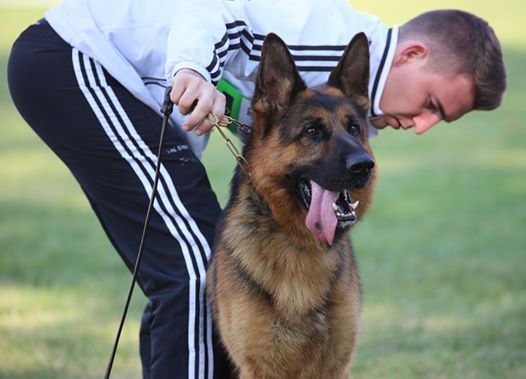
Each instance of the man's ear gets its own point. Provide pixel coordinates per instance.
(410, 51)
(351, 75)
(278, 80)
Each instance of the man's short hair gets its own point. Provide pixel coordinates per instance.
(467, 43)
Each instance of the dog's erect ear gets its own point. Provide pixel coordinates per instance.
(278, 80)
(351, 75)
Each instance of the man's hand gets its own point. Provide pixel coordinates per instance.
(193, 94)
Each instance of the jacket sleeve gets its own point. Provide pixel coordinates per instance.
(204, 35)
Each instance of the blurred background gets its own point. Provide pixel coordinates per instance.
(442, 252)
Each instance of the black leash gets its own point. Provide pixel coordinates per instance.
(166, 110)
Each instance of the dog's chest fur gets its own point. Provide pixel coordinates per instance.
(296, 278)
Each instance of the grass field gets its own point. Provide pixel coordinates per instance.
(442, 252)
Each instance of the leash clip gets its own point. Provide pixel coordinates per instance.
(225, 121)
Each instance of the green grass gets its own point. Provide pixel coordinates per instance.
(442, 252)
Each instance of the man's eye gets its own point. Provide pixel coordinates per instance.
(433, 106)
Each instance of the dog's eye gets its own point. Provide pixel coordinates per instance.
(312, 131)
(353, 128)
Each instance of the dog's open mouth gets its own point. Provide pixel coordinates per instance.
(326, 210)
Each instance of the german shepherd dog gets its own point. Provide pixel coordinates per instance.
(283, 281)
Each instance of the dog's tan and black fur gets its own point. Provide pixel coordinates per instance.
(286, 295)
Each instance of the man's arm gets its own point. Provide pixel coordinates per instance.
(204, 35)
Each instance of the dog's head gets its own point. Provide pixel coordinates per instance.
(308, 153)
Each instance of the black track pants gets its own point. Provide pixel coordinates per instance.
(108, 140)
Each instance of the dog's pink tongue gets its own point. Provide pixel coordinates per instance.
(321, 220)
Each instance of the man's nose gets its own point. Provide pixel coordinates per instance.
(406, 123)
(425, 122)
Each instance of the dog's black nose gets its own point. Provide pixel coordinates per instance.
(360, 165)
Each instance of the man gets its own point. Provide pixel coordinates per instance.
(90, 78)
(440, 70)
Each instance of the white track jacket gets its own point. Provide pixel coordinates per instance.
(142, 43)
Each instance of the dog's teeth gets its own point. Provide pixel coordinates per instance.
(355, 204)
(335, 207)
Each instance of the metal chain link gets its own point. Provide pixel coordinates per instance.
(225, 121)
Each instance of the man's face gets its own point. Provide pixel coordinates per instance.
(418, 97)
